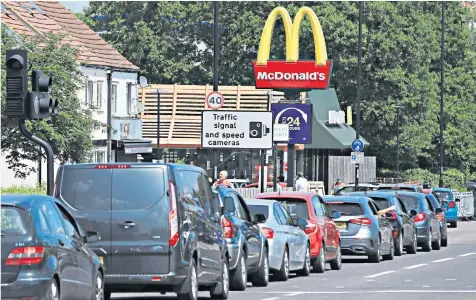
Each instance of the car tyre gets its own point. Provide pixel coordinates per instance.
(222, 288)
(319, 265)
(53, 290)
(414, 246)
(399, 244)
(306, 270)
(444, 242)
(375, 257)
(436, 245)
(427, 245)
(98, 290)
(336, 263)
(454, 224)
(107, 295)
(391, 253)
(189, 288)
(283, 273)
(261, 278)
(239, 276)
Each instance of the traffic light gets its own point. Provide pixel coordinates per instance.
(40, 105)
(17, 84)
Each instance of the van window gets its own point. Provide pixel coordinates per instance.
(137, 189)
(192, 189)
(87, 189)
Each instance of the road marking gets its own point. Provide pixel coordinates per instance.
(467, 254)
(379, 274)
(425, 286)
(408, 280)
(442, 260)
(451, 279)
(371, 292)
(295, 286)
(469, 286)
(340, 287)
(272, 298)
(293, 294)
(370, 279)
(415, 266)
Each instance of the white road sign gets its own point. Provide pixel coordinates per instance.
(215, 100)
(357, 157)
(281, 133)
(237, 129)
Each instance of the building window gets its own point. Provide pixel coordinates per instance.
(98, 104)
(131, 98)
(114, 98)
(89, 93)
(98, 156)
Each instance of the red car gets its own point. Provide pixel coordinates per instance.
(322, 231)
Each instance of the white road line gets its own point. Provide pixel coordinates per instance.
(425, 286)
(415, 266)
(372, 292)
(340, 287)
(272, 298)
(467, 254)
(408, 280)
(443, 259)
(379, 274)
(293, 294)
(370, 279)
(451, 279)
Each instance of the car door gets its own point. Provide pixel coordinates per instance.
(67, 254)
(435, 225)
(320, 217)
(296, 240)
(384, 226)
(85, 269)
(408, 223)
(332, 231)
(280, 230)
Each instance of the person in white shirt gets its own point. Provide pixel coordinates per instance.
(301, 183)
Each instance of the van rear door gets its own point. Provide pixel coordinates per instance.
(140, 220)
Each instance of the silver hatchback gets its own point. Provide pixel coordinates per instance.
(289, 245)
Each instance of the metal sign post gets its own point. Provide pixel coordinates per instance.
(280, 134)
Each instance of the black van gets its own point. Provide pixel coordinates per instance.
(160, 227)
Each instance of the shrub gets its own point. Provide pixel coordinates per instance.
(24, 189)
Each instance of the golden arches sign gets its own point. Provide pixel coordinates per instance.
(292, 73)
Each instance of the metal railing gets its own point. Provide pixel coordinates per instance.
(465, 205)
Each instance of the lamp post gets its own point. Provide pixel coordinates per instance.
(442, 78)
(398, 107)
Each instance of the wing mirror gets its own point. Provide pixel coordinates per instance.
(302, 223)
(91, 237)
(457, 200)
(259, 219)
(413, 213)
(438, 211)
(336, 215)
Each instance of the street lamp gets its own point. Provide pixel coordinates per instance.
(398, 107)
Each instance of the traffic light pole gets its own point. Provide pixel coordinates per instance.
(49, 156)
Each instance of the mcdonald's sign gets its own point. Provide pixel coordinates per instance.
(292, 73)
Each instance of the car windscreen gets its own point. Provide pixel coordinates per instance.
(295, 207)
(382, 203)
(346, 209)
(15, 221)
(259, 209)
(442, 195)
(410, 202)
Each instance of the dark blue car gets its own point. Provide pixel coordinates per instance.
(45, 254)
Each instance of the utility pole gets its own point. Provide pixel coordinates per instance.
(216, 52)
(109, 117)
(442, 78)
(359, 87)
(398, 139)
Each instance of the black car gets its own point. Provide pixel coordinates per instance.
(247, 244)
(404, 228)
(45, 254)
(161, 230)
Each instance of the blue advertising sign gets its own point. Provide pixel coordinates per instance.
(299, 119)
(357, 145)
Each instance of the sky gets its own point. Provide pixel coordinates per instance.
(75, 6)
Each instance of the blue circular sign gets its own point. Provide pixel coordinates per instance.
(358, 145)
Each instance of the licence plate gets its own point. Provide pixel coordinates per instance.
(101, 259)
(341, 225)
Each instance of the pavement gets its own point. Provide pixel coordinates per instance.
(449, 272)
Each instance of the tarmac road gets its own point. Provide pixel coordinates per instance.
(446, 273)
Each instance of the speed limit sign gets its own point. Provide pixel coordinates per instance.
(215, 100)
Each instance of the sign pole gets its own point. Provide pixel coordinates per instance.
(263, 181)
(275, 169)
(359, 86)
(216, 44)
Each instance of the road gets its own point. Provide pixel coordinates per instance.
(449, 272)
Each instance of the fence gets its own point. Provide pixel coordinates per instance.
(249, 193)
(465, 205)
(341, 167)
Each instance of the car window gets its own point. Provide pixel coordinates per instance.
(398, 205)
(373, 207)
(296, 207)
(402, 206)
(276, 212)
(68, 222)
(42, 222)
(256, 209)
(216, 204)
(87, 189)
(346, 209)
(434, 201)
(188, 184)
(289, 220)
(137, 188)
(206, 193)
(15, 221)
(442, 195)
(53, 218)
(239, 211)
(344, 190)
(382, 203)
(282, 217)
(410, 202)
(325, 208)
(430, 205)
(316, 204)
(244, 207)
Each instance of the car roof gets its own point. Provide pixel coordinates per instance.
(438, 189)
(265, 202)
(177, 167)
(22, 200)
(362, 184)
(289, 194)
(345, 198)
(411, 194)
(380, 194)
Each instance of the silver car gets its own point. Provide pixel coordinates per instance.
(289, 245)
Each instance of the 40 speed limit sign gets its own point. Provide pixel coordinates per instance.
(215, 100)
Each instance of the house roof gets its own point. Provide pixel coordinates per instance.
(40, 17)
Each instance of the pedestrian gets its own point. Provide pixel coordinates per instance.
(337, 185)
(301, 183)
(223, 179)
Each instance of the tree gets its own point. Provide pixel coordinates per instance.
(69, 132)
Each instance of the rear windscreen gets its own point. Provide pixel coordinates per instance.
(411, 203)
(259, 209)
(442, 195)
(295, 207)
(382, 203)
(346, 209)
(15, 221)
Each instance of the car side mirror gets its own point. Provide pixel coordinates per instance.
(91, 237)
(457, 200)
(438, 211)
(302, 223)
(259, 218)
(228, 205)
(413, 213)
(336, 215)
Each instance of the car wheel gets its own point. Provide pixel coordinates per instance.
(444, 242)
(414, 247)
(98, 291)
(336, 263)
(306, 270)
(189, 289)
(53, 290)
(391, 253)
(454, 224)
(283, 273)
(427, 246)
(262, 277)
(320, 262)
(375, 257)
(221, 289)
(399, 244)
(436, 245)
(107, 295)
(239, 277)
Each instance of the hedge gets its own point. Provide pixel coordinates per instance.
(24, 189)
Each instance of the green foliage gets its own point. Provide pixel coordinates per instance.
(451, 177)
(24, 189)
(69, 132)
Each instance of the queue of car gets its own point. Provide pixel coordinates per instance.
(148, 227)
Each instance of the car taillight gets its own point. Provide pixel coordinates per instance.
(392, 216)
(173, 217)
(420, 217)
(268, 232)
(25, 256)
(452, 204)
(311, 226)
(361, 221)
(228, 227)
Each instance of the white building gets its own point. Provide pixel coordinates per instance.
(97, 58)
